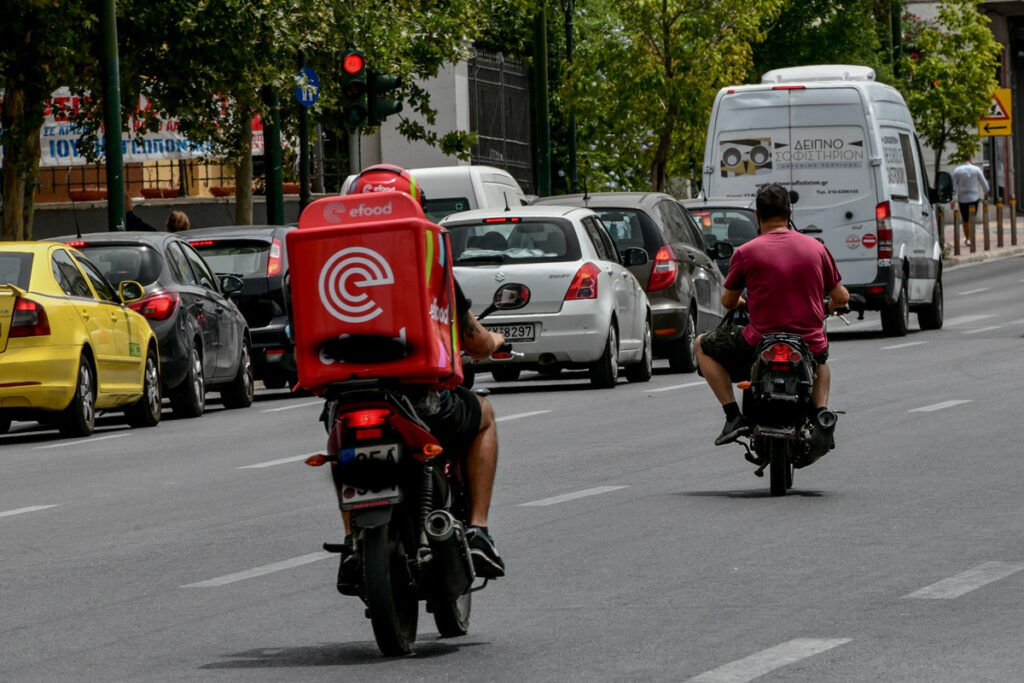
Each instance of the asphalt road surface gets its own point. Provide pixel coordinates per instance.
(636, 549)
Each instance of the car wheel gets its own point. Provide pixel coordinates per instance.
(682, 354)
(79, 418)
(240, 391)
(896, 316)
(505, 374)
(604, 373)
(188, 399)
(930, 317)
(147, 410)
(642, 370)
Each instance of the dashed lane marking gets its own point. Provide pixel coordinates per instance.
(518, 416)
(965, 319)
(765, 661)
(565, 497)
(260, 571)
(292, 407)
(676, 386)
(271, 463)
(939, 406)
(902, 346)
(984, 329)
(21, 511)
(967, 581)
(974, 291)
(91, 439)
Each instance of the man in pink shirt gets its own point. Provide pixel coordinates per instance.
(787, 276)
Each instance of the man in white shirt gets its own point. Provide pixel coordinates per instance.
(969, 184)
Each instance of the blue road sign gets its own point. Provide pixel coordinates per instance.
(307, 87)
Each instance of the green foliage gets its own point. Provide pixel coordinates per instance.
(950, 74)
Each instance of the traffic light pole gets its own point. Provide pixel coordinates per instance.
(354, 164)
(112, 116)
(540, 98)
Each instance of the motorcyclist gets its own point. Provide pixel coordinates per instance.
(786, 275)
(461, 420)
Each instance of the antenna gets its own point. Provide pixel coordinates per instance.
(586, 192)
(505, 195)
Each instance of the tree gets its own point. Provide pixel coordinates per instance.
(644, 77)
(950, 74)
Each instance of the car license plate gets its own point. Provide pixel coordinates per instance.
(353, 497)
(515, 333)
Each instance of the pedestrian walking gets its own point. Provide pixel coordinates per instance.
(970, 187)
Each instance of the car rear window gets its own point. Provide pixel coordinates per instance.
(15, 269)
(237, 257)
(735, 226)
(630, 229)
(527, 241)
(120, 262)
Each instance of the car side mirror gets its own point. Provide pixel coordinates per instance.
(130, 291)
(634, 256)
(943, 190)
(722, 250)
(231, 284)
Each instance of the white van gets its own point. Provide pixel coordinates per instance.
(451, 189)
(846, 148)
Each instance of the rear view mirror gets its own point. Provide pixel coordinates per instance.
(130, 291)
(722, 250)
(943, 190)
(634, 257)
(231, 284)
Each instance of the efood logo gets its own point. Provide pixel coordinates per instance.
(333, 212)
(344, 278)
(379, 210)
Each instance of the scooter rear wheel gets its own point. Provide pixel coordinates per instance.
(390, 601)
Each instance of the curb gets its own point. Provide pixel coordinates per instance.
(978, 257)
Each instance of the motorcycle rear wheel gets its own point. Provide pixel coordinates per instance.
(390, 601)
(780, 467)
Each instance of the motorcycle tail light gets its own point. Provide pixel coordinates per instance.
(780, 353)
(362, 419)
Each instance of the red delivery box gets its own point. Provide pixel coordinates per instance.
(372, 293)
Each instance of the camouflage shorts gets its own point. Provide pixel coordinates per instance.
(726, 345)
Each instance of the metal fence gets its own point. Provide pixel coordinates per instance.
(168, 178)
(499, 112)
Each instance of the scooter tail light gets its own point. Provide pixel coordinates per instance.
(363, 419)
(316, 460)
(780, 353)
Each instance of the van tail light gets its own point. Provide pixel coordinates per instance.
(883, 228)
(274, 260)
(584, 284)
(363, 419)
(156, 306)
(781, 353)
(664, 270)
(29, 319)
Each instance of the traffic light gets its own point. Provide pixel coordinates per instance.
(380, 108)
(353, 89)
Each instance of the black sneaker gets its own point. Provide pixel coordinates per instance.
(732, 430)
(487, 563)
(348, 572)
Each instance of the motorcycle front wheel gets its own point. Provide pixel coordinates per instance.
(452, 615)
(780, 467)
(390, 601)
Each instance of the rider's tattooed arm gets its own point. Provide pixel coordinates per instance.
(478, 342)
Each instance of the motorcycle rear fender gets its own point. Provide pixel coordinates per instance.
(371, 518)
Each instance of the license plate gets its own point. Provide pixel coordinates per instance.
(515, 333)
(354, 498)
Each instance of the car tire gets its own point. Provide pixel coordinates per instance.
(643, 370)
(930, 317)
(240, 391)
(505, 374)
(896, 316)
(79, 418)
(604, 372)
(146, 412)
(682, 354)
(188, 399)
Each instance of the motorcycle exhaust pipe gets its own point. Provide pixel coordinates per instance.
(822, 427)
(452, 567)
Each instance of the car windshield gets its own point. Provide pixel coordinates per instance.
(237, 257)
(513, 241)
(15, 269)
(735, 226)
(436, 209)
(120, 262)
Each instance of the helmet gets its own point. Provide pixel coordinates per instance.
(386, 178)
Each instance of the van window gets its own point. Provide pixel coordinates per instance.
(913, 183)
(436, 209)
(895, 163)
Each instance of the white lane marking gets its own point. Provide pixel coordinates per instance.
(573, 496)
(21, 511)
(974, 291)
(963, 319)
(517, 416)
(967, 581)
(765, 661)
(939, 406)
(91, 439)
(260, 571)
(903, 346)
(984, 329)
(292, 407)
(676, 386)
(271, 463)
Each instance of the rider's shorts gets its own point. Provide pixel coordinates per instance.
(457, 422)
(726, 345)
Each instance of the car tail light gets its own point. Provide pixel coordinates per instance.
(664, 270)
(274, 260)
(362, 419)
(584, 284)
(202, 243)
(883, 228)
(780, 353)
(788, 87)
(77, 244)
(503, 219)
(29, 319)
(156, 306)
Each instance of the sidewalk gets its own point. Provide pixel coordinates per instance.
(977, 252)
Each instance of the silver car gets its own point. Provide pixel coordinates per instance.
(564, 296)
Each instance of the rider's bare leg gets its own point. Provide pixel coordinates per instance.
(715, 374)
(819, 390)
(481, 465)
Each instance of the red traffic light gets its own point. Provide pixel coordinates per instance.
(353, 63)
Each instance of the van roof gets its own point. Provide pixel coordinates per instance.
(819, 72)
(489, 173)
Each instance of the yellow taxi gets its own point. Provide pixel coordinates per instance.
(69, 346)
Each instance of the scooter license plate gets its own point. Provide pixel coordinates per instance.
(354, 498)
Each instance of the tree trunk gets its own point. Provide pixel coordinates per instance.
(21, 166)
(243, 178)
(660, 161)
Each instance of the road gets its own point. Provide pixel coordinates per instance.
(636, 549)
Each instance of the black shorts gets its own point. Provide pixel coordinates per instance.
(726, 345)
(457, 423)
(965, 209)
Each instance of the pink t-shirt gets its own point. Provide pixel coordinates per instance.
(787, 275)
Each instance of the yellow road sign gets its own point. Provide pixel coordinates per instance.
(998, 120)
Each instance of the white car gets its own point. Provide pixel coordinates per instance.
(564, 296)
